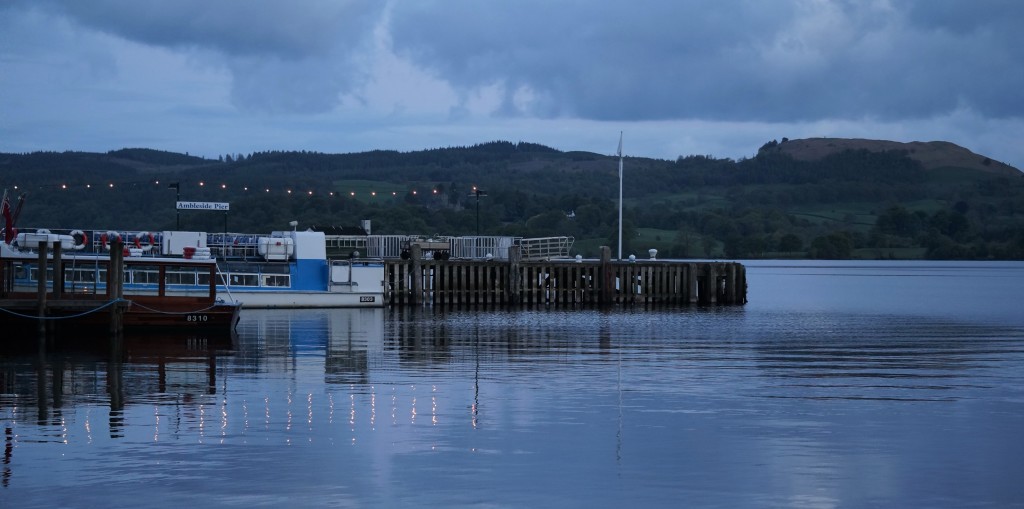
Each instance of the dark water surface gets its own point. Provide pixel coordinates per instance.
(841, 384)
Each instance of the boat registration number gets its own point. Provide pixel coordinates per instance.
(367, 298)
(197, 318)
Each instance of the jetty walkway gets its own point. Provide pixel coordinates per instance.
(565, 282)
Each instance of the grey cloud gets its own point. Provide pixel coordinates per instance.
(235, 27)
(965, 17)
(735, 60)
(732, 60)
(287, 86)
(590, 57)
(283, 56)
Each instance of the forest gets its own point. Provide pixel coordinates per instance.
(849, 204)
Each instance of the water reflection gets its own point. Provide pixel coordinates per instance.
(72, 371)
(396, 357)
(345, 339)
(753, 406)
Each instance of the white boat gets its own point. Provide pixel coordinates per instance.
(75, 295)
(286, 269)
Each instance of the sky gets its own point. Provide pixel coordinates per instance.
(675, 77)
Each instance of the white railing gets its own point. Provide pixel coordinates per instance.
(478, 248)
(545, 248)
(470, 247)
(386, 246)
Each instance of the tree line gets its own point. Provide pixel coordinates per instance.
(853, 203)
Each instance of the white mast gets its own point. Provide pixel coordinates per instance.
(620, 195)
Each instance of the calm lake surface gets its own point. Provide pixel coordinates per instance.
(840, 384)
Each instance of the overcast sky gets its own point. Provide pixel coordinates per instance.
(678, 77)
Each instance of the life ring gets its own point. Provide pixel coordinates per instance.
(81, 239)
(109, 238)
(149, 241)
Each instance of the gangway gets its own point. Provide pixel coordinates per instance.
(545, 248)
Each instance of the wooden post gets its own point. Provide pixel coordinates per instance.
(434, 282)
(465, 287)
(115, 285)
(58, 272)
(711, 284)
(41, 287)
(730, 284)
(4, 280)
(691, 283)
(606, 283)
(740, 284)
(416, 252)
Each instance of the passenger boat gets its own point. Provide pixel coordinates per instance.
(76, 297)
(286, 269)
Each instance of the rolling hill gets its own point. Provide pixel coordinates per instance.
(821, 197)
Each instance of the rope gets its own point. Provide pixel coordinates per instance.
(108, 304)
(36, 317)
(173, 312)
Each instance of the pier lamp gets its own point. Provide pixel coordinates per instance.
(478, 193)
(177, 198)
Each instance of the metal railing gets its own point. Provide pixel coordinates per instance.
(545, 248)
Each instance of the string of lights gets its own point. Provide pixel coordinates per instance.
(203, 185)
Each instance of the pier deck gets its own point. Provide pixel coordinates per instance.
(563, 282)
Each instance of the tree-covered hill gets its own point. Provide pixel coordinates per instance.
(823, 198)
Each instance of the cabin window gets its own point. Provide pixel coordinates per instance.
(244, 280)
(277, 280)
(181, 278)
(82, 276)
(33, 274)
(24, 272)
(147, 277)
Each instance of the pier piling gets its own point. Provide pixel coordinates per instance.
(562, 282)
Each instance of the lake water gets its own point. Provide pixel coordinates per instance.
(840, 384)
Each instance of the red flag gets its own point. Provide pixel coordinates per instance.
(5, 210)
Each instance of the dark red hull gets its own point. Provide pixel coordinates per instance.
(140, 313)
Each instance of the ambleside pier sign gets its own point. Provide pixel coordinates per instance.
(203, 205)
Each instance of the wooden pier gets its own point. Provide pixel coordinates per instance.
(563, 282)
(53, 302)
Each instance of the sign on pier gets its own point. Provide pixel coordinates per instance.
(203, 205)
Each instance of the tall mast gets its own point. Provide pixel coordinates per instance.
(620, 195)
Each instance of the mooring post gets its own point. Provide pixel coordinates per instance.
(691, 283)
(730, 284)
(41, 288)
(741, 283)
(416, 286)
(115, 286)
(605, 294)
(515, 255)
(58, 271)
(711, 283)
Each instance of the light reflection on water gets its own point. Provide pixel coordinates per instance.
(837, 385)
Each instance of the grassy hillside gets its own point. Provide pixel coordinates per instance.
(823, 198)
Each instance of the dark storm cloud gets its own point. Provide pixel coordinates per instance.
(732, 60)
(593, 59)
(283, 56)
(965, 17)
(236, 27)
(679, 76)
